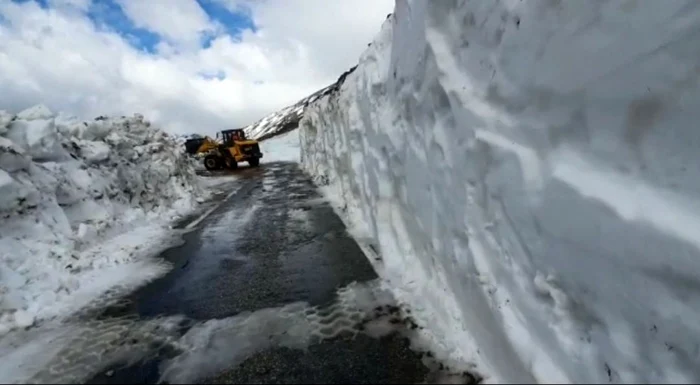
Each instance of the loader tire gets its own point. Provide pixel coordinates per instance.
(212, 162)
(255, 162)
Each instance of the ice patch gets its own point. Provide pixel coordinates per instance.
(73, 353)
(202, 217)
(218, 181)
(299, 215)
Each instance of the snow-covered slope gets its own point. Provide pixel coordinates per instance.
(528, 172)
(282, 121)
(83, 206)
(287, 119)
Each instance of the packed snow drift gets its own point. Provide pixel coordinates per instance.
(84, 206)
(284, 147)
(528, 173)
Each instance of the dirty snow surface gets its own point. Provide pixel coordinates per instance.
(528, 173)
(84, 207)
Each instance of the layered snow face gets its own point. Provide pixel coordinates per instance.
(527, 172)
(84, 205)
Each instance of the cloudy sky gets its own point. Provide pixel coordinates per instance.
(190, 65)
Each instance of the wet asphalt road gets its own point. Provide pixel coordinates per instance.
(273, 242)
(269, 244)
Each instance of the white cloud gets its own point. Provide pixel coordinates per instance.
(180, 21)
(58, 57)
(330, 25)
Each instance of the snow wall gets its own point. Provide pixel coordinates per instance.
(528, 173)
(83, 206)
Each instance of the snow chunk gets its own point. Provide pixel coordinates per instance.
(14, 194)
(12, 157)
(92, 151)
(23, 319)
(38, 112)
(37, 134)
(9, 191)
(98, 130)
(5, 119)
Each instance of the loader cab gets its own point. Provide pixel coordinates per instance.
(228, 137)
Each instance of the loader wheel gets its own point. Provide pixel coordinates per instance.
(254, 162)
(212, 163)
(232, 164)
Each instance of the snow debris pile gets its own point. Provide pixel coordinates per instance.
(76, 200)
(528, 174)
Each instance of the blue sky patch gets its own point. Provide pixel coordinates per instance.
(234, 22)
(207, 40)
(42, 3)
(109, 15)
(220, 75)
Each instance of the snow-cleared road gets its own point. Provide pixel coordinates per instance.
(271, 243)
(268, 288)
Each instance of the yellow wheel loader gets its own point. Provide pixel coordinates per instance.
(229, 148)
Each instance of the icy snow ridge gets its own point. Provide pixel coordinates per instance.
(527, 174)
(76, 200)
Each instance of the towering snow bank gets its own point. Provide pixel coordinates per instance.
(77, 199)
(528, 172)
